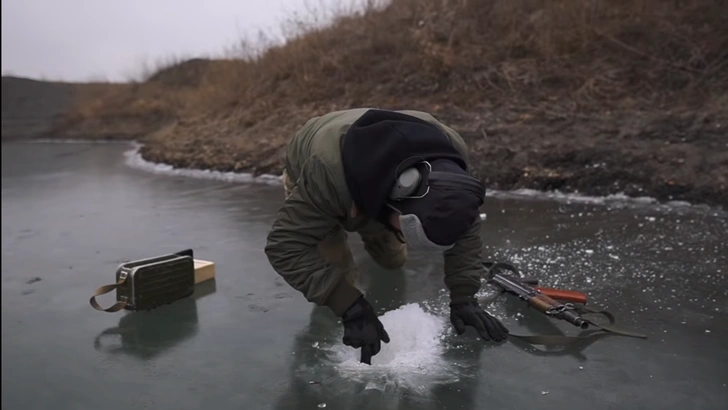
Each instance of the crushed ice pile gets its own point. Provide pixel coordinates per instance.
(413, 358)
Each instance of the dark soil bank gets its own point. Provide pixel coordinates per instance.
(681, 156)
(668, 156)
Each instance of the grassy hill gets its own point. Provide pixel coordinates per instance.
(596, 96)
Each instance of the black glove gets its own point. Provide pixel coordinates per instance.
(363, 329)
(471, 314)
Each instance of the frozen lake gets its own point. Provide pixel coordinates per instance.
(72, 212)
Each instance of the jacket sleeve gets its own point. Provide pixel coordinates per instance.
(306, 217)
(463, 262)
(464, 265)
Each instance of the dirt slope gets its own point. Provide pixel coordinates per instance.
(600, 97)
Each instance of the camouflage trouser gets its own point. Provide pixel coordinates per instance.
(381, 244)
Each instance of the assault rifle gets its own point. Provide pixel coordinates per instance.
(545, 301)
(538, 297)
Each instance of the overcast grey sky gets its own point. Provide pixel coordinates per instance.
(76, 40)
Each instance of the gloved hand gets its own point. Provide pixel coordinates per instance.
(362, 329)
(471, 314)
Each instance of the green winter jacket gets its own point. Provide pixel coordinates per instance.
(320, 202)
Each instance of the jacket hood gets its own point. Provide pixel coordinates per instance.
(377, 143)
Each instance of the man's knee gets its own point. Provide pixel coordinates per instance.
(386, 250)
(394, 259)
(288, 185)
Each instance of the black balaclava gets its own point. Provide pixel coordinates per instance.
(380, 141)
(445, 213)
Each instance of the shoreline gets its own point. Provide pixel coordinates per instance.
(134, 159)
(680, 155)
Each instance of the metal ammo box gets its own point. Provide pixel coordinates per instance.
(148, 283)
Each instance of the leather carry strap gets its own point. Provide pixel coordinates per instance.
(104, 290)
(563, 340)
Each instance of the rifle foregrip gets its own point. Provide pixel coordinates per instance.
(542, 302)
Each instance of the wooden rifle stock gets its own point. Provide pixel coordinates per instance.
(558, 294)
(565, 295)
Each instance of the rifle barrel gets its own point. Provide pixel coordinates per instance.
(512, 285)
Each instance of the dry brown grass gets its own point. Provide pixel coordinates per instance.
(542, 91)
(556, 56)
